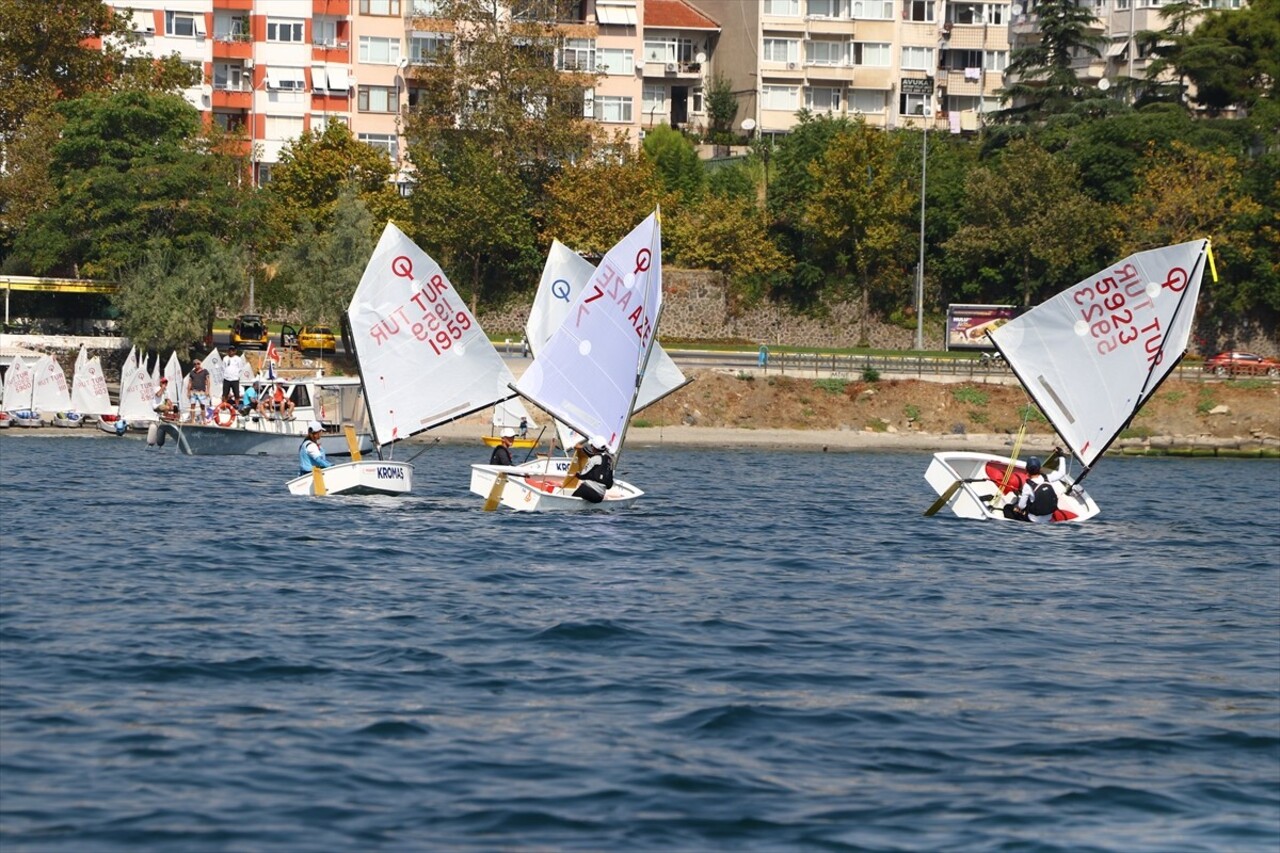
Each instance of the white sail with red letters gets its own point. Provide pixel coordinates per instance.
(1092, 355)
(588, 373)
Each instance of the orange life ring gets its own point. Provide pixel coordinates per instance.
(225, 415)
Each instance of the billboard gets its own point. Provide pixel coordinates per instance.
(967, 325)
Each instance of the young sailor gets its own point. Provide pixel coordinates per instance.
(311, 454)
(1038, 500)
(502, 453)
(597, 473)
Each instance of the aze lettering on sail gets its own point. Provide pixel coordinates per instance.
(613, 291)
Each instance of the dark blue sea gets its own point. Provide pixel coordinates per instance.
(769, 652)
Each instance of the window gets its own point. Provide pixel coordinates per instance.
(994, 14)
(917, 10)
(696, 104)
(958, 60)
(231, 28)
(379, 7)
(385, 142)
(286, 79)
(917, 58)
(231, 122)
(912, 105)
(588, 103)
(866, 101)
(668, 50)
(320, 121)
(780, 98)
(613, 108)
(995, 60)
(324, 31)
(615, 60)
(620, 13)
(283, 127)
(825, 52)
(426, 8)
(822, 99)
(655, 99)
(964, 13)
(1122, 4)
(428, 48)
(377, 99)
(578, 55)
(181, 24)
(231, 77)
(875, 54)
(824, 8)
(339, 80)
(781, 50)
(873, 10)
(284, 30)
(785, 8)
(379, 51)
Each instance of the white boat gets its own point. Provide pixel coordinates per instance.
(331, 400)
(1090, 358)
(589, 372)
(423, 358)
(15, 395)
(35, 392)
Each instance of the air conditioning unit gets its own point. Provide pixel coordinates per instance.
(248, 63)
(642, 134)
(671, 68)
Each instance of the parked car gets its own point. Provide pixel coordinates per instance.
(249, 331)
(1241, 364)
(317, 339)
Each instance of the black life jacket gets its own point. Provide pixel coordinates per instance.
(1044, 500)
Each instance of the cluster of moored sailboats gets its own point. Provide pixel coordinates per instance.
(1090, 357)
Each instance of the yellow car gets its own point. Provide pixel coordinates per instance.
(317, 339)
(249, 331)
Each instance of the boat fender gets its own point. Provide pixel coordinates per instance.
(161, 437)
(225, 415)
(153, 433)
(121, 426)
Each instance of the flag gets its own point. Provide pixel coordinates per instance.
(273, 354)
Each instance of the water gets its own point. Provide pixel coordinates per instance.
(770, 651)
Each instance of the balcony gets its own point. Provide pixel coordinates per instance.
(233, 5)
(674, 70)
(229, 98)
(232, 46)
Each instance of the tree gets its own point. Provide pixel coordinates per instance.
(131, 171)
(682, 172)
(314, 171)
(323, 267)
(1043, 79)
(47, 54)
(721, 106)
(593, 204)
(1167, 48)
(725, 234)
(857, 209)
(169, 297)
(1233, 58)
(1029, 229)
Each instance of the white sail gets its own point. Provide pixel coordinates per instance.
(81, 358)
(176, 390)
(137, 391)
(1092, 355)
(51, 393)
(19, 382)
(587, 373)
(423, 357)
(130, 363)
(563, 277)
(510, 413)
(213, 364)
(89, 394)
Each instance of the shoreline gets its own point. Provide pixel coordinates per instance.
(839, 441)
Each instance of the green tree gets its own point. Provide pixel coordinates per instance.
(725, 234)
(1043, 81)
(595, 203)
(682, 172)
(168, 297)
(857, 210)
(721, 106)
(1233, 58)
(131, 171)
(1029, 229)
(1167, 48)
(315, 169)
(322, 268)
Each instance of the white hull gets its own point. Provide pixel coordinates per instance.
(530, 488)
(247, 437)
(26, 418)
(68, 420)
(5, 420)
(973, 497)
(110, 424)
(371, 477)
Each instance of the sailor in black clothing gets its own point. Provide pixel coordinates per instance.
(597, 472)
(502, 453)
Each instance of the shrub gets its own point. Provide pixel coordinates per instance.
(831, 386)
(912, 412)
(969, 395)
(870, 374)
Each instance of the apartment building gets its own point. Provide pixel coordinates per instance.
(895, 62)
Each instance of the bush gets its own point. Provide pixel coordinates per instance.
(870, 374)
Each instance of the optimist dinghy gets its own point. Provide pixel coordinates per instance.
(1090, 358)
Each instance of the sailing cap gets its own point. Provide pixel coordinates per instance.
(314, 426)
(1033, 463)
(598, 441)
(164, 380)
(508, 433)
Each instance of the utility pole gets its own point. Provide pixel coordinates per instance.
(924, 168)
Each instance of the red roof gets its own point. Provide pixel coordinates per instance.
(676, 15)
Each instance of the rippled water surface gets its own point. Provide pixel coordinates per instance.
(770, 651)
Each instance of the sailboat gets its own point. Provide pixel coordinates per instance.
(89, 394)
(1090, 358)
(511, 414)
(423, 359)
(19, 382)
(588, 373)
